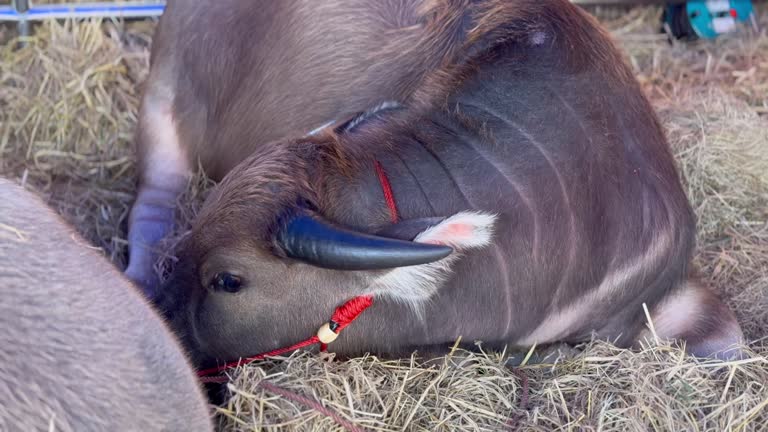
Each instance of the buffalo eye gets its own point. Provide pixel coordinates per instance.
(226, 282)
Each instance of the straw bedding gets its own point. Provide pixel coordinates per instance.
(68, 106)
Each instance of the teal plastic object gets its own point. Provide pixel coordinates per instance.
(709, 19)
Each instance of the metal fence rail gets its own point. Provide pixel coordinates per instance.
(21, 10)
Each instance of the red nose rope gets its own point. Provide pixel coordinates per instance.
(341, 318)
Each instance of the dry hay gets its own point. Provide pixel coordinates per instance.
(68, 105)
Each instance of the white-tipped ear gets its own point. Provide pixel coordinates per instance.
(464, 230)
(415, 284)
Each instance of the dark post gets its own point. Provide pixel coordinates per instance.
(22, 6)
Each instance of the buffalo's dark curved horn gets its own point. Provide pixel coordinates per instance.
(322, 244)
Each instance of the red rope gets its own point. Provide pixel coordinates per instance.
(386, 187)
(311, 341)
(342, 317)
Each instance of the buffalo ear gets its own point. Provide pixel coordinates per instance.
(415, 284)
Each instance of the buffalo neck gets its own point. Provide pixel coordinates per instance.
(422, 185)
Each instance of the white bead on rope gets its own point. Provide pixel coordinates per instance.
(326, 335)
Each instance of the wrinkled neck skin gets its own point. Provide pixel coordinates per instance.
(389, 328)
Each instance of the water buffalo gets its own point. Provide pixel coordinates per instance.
(536, 201)
(81, 349)
(229, 76)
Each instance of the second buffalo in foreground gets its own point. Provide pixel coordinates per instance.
(525, 194)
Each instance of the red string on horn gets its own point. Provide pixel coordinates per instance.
(386, 188)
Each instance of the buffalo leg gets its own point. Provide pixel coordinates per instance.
(164, 174)
(695, 315)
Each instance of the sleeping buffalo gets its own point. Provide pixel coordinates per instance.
(524, 193)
